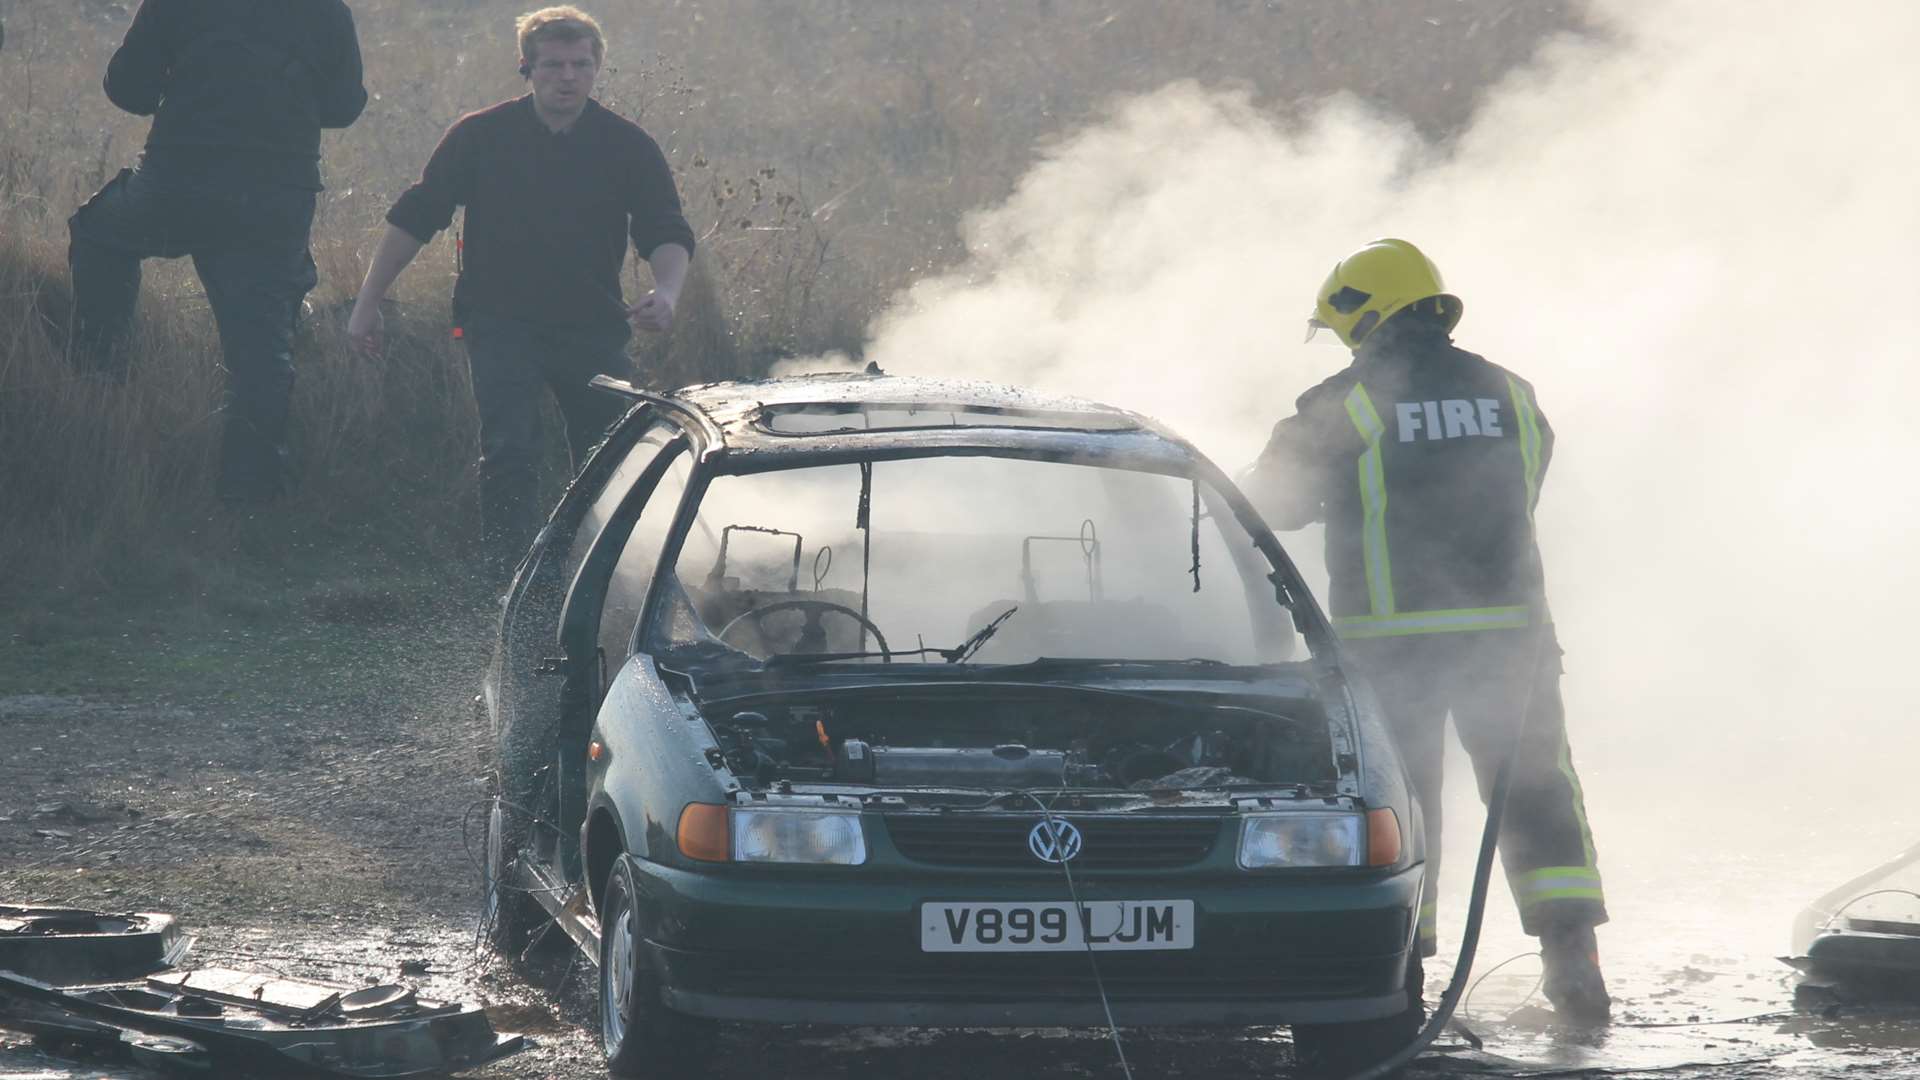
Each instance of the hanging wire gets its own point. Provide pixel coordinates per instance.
(1842, 909)
(1466, 1003)
(1080, 911)
(1196, 536)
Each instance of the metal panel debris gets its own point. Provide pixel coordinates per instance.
(70, 947)
(101, 980)
(273, 1026)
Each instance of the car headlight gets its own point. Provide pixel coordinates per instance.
(832, 837)
(1303, 838)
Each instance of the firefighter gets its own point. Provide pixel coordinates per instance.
(1425, 463)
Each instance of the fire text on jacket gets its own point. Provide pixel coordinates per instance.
(1453, 418)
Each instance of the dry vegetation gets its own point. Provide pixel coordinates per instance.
(826, 150)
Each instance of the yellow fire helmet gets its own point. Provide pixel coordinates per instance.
(1367, 287)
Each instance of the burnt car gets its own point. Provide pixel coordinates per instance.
(870, 700)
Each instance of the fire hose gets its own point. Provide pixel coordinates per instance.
(1482, 876)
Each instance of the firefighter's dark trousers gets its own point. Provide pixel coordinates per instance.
(1485, 679)
(248, 242)
(515, 365)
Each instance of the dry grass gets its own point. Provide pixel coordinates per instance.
(105, 479)
(826, 150)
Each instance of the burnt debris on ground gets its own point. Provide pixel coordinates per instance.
(108, 983)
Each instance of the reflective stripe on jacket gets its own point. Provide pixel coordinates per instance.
(1425, 462)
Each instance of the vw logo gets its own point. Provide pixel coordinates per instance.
(1054, 841)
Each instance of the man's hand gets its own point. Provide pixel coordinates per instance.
(653, 312)
(366, 329)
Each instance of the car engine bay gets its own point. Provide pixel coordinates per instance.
(1088, 740)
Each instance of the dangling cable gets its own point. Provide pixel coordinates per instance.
(863, 520)
(1466, 1003)
(1196, 536)
(1842, 909)
(1086, 923)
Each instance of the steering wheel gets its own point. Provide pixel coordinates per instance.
(811, 633)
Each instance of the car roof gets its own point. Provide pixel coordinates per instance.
(794, 415)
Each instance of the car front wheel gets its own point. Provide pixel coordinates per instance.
(1340, 1050)
(643, 1037)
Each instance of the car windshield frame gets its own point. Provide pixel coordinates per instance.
(1157, 456)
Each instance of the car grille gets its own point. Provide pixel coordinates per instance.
(1130, 842)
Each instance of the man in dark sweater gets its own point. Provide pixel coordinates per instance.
(238, 91)
(553, 184)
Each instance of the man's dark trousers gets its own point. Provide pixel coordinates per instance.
(513, 364)
(248, 242)
(1487, 680)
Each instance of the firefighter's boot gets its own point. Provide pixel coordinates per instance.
(1573, 981)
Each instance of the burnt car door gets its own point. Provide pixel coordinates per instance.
(546, 680)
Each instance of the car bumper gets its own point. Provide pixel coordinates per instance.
(794, 948)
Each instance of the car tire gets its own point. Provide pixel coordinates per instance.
(511, 916)
(642, 1037)
(1341, 1050)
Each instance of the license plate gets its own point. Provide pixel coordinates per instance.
(1105, 925)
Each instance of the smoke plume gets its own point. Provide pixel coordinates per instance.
(1695, 231)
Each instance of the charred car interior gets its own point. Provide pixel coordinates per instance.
(870, 700)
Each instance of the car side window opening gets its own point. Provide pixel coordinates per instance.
(1096, 562)
(532, 613)
(631, 468)
(639, 560)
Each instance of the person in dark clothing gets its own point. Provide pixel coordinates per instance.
(238, 91)
(1425, 463)
(554, 186)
